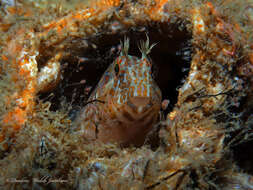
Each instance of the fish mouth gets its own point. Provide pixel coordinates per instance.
(129, 126)
(143, 112)
(140, 104)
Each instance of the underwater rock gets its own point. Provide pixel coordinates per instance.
(202, 63)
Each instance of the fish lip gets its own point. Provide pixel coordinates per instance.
(131, 116)
(147, 106)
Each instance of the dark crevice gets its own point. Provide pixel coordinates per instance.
(171, 58)
(243, 156)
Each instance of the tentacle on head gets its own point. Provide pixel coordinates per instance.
(144, 47)
(125, 46)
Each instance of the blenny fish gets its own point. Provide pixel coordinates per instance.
(126, 103)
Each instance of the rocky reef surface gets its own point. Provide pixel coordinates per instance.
(53, 53)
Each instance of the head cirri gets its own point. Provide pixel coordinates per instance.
(131, 99)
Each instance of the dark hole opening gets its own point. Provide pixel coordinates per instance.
(243, 155)
(171, 58)
(88, 59)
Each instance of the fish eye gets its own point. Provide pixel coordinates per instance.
(116, 68)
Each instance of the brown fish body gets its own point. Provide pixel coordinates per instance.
(126, 102)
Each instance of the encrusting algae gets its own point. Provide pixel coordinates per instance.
(54, 54)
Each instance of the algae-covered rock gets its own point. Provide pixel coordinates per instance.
(54, 53)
